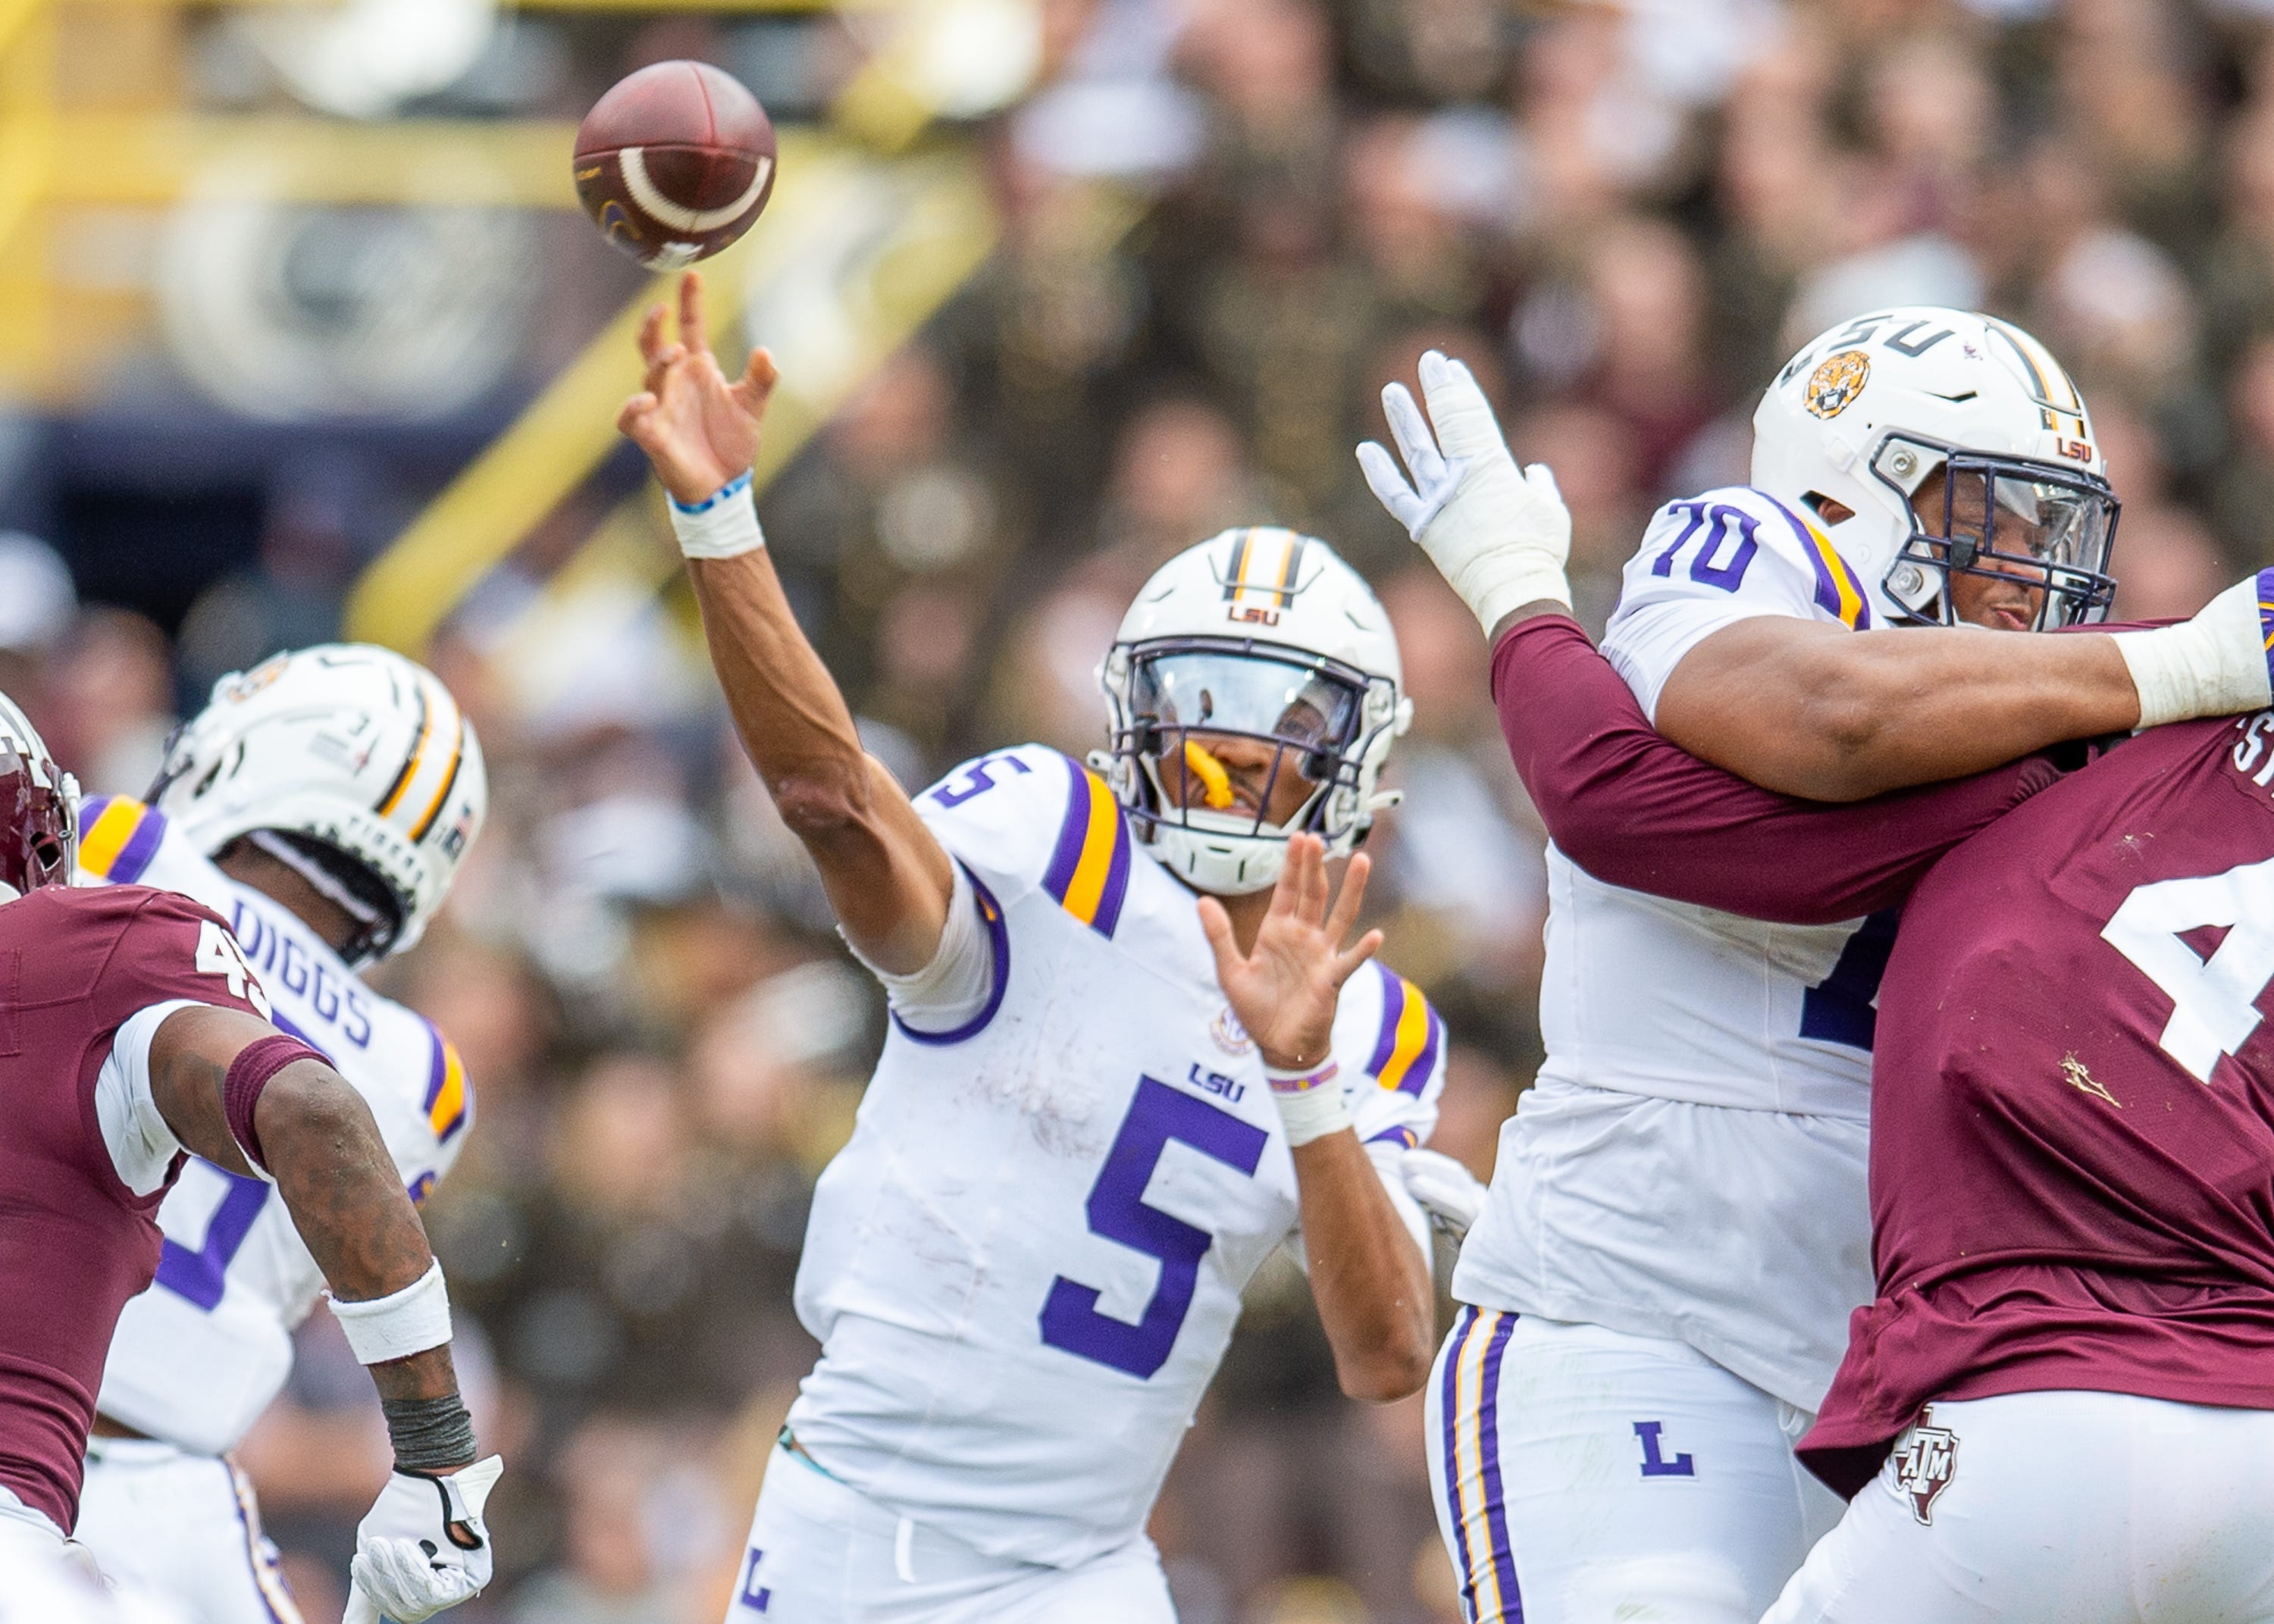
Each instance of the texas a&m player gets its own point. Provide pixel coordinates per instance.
(133, 1034)
(322, 803)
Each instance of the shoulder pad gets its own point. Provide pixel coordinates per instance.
(1387, 1028)
(1721, 538)
(1033, 818)
(117, 837)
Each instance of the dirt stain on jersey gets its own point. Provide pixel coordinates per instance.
(2074, 1073)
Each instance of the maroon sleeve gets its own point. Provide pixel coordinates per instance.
(1634, 811)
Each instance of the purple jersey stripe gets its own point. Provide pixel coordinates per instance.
(435, 1073)
(1450, 1399)
(1827, 586)
(1067, 856)
(1117, 882)
(1504, 1559)
(140, 848)
(1417, 1075)
(1393, 1011)
(1397, 1135)
(999, 943)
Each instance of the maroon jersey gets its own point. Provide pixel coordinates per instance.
(2073, 1102)
(75, 1241)
(2072, 1163)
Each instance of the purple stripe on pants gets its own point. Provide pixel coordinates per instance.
(1504, 1559)
(1450, 1401)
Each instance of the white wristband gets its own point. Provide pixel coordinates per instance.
(724, 524)
(412, 1320)
(1310, 1103)
(2214, 665)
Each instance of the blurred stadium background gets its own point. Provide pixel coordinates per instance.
(301, 336)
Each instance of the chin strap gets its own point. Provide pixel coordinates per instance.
(325, 887)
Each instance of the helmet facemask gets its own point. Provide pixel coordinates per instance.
(2048, 528)
(39, 823)
(1207, 731)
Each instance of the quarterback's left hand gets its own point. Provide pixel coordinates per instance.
(423, 1546)
(1285, 988)
(1449, 1191)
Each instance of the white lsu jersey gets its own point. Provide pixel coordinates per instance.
(1690, 1164)
(200, 1354)
(1026, 1264)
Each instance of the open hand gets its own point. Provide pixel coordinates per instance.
(1284, 990)
(698, 430)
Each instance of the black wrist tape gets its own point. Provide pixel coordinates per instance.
(433, 1435)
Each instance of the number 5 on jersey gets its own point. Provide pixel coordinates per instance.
(218, 954)
(1119, 1212)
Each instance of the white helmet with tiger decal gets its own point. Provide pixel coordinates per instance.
(349, 763)
(1867, 413)
(1264, 635)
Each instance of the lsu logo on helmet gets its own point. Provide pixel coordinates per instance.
(1835, 385)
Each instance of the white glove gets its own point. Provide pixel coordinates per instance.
(2214, 665)
(1453, 1195)
(1498, 535)
(411, 1561)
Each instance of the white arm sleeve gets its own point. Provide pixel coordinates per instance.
(141, 1146)
(954, 987)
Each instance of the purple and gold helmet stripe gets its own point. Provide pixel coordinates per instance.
(1089, 869)
(122, 835)
(445, 1103)
(1471, 1400)
(1265, 562)
(1837, 592)
(1407, 1048)
(2266, 609)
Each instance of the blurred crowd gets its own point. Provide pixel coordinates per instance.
(1227, 223)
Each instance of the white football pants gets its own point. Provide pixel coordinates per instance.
(2085, 1507)
(1583, 1475)
(821, 1552)
(44, 1581)
(182, 1526)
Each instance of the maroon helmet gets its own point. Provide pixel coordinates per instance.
(38, 810)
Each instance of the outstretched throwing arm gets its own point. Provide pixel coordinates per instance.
(887, 878)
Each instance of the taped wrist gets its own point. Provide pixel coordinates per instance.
(2214, 665)
(1310, 1102)
(410, 1321)
(724, 524)
(431, 1435)
(247, 1079)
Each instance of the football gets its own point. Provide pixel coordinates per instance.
(675, 163)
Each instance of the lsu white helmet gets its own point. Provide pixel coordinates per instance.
(1867, 413)
(348, 763)
(1264, 635)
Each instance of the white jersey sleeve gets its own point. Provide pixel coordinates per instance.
(142, 1147)
(1727, 556)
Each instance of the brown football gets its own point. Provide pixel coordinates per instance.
(675, 163)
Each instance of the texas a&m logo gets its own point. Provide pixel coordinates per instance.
(1926, 1457)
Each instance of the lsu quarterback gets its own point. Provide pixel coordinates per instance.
(322, 803)
(1657, 1292)
(1130, 1055)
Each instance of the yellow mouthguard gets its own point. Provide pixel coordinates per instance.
(1216, 779)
